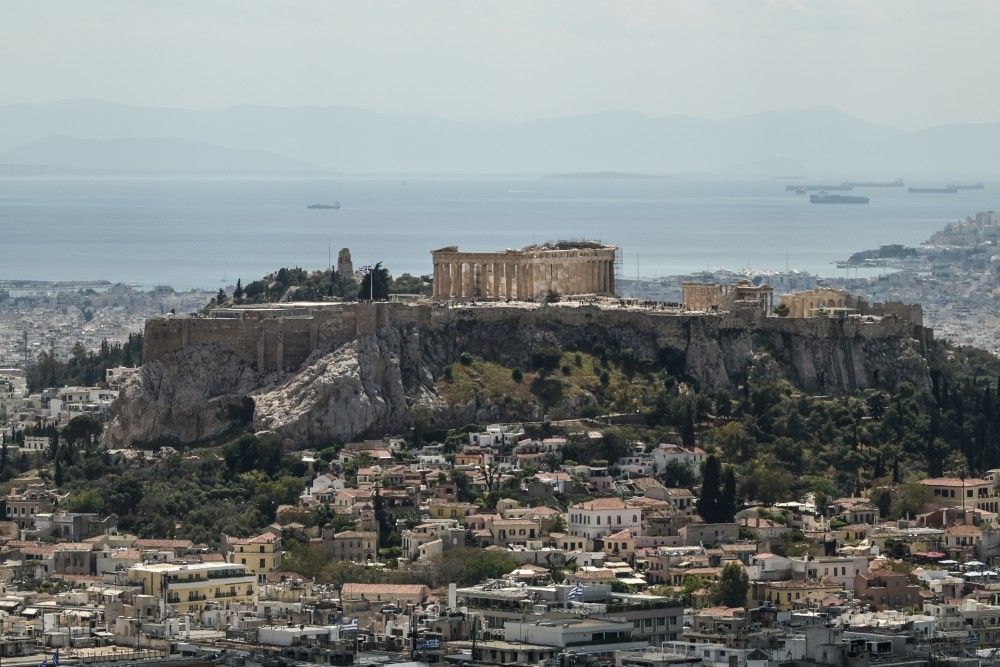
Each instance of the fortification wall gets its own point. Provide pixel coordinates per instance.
(284, 343)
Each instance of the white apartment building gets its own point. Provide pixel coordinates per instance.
(596, 518)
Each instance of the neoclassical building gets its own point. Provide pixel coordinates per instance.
(567, 267)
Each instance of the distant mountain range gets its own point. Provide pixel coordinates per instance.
(62, 154)
(88, 134)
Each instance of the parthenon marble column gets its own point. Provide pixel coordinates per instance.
(497, 269)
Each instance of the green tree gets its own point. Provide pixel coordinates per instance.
(709, 499)
(678, 474)
(733, 585)
(687, 428)
(84, 429)
(87, 500)
(375, 285)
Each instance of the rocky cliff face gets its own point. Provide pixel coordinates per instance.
(369, 386)
(194, 393)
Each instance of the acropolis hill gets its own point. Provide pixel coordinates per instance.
(324, 371)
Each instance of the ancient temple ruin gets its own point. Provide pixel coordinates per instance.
(568, 268)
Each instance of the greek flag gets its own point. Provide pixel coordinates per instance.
(576, 593)
(352, 625)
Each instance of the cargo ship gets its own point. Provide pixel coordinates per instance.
(968, 186)
(843, 187)
(936, 191)
(898, 183)
(824, 198)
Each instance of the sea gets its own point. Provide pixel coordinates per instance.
(206, 232)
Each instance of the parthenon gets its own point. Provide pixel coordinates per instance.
(565, 267)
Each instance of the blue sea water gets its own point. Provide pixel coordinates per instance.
(204, 232)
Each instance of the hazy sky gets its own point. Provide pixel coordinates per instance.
(909, 63)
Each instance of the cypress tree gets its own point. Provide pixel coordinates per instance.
(708, 501)
(687, 430)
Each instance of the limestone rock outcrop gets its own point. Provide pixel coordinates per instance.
(369, 386)
(195, 393)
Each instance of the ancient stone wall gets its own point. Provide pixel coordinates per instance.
(283, 342)
(810, 302)
(728, 297)
(701, 296)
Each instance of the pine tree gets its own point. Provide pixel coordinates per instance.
(238, 292)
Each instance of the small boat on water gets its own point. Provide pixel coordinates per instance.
(335, 205)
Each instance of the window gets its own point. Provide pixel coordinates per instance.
(262, 564)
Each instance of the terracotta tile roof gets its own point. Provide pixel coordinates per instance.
(601, 504)
(592, 575)
(953, 481)
(620, 535)
(263, 538)
(162, 544)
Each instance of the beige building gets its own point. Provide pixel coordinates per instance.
(821, 301)
(716, 297)
(191, 587)
(361, 601)
(565, 267)
(23, 507)
(826, 301)
(353, 545)
(969, 493)
(260, 554)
